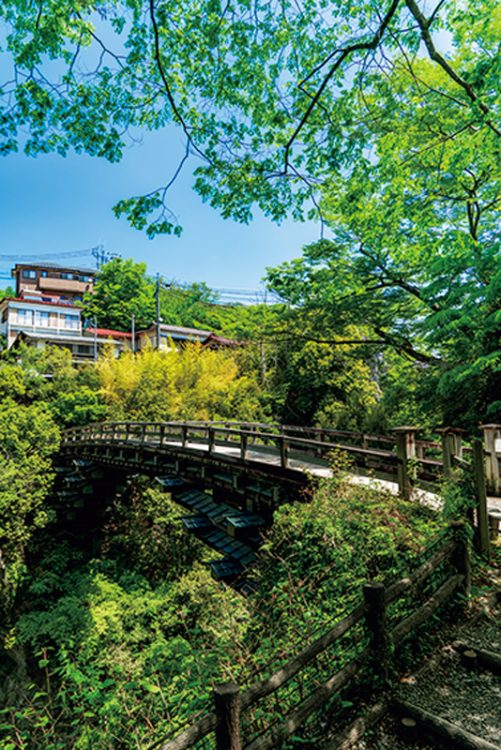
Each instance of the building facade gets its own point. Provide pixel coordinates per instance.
(69, 284)
(169, 335)
(52, 318)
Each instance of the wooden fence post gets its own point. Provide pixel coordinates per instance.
(227, 705)
(451, 446)
(461, 555)
(375, 619)
(483, 541)
(406, 450)
(492, 440)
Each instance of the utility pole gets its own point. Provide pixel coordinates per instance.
(102, 256)
(95, 339)
(157, 300)
(133, 333)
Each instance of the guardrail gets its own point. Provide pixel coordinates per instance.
(378, 635)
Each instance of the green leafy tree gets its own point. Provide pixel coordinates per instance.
(267, 99)
(9, 291)
(28, 439)
(122, 289)
(72, 394)
(191, 305)
(415, 255)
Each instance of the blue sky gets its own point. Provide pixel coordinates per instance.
(51, 204)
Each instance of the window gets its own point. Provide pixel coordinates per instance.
(24, 317)
(44, 274)
(68, 276)
(86, 279)
(41, 318)
(27, 274)
(71, 321)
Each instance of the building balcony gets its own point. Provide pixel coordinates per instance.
(46, 283)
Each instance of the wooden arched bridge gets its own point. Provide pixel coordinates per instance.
(290, 454)
(270, 452)
(251, 468)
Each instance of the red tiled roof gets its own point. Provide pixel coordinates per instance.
(109, 332)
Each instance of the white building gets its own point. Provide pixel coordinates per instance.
(33, 314)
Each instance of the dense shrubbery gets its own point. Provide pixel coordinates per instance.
(127, 644)
(192, 383)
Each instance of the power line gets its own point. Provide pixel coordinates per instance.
(46, 256)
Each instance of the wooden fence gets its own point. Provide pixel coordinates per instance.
(377, 638)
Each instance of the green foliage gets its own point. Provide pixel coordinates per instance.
(315, 383)
(78, 408)
(121, 290)
(145, 529)
(28, 439)
(320, 553)
(9, 291)
(264, 104)
(190, 383)
(49, 376)
(192, 305)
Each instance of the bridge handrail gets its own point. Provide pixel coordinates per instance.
(113, 431)
(263, 427)
(452, 549)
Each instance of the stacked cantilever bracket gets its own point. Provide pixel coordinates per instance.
(230, 531)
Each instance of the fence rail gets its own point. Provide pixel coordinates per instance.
(379, 633)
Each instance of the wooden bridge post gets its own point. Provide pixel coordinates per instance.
(492, 440)
(406, 450)
(483, 541)
(227, 705)
(284, 452)
(375, 619)
(243, 446)
(211, 439)
(451, 447)
(184, 435)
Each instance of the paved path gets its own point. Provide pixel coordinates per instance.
(315, 467)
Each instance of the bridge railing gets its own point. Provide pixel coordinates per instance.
(275, 707)
(290, 445)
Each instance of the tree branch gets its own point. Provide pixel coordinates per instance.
(158, 59)
(343, 54)
(424, 25)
